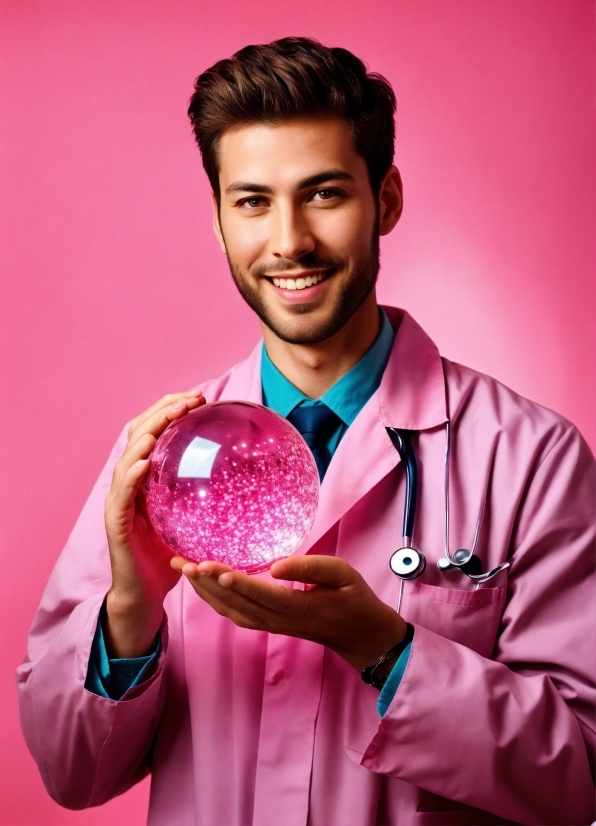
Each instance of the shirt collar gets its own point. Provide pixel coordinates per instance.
(348, 395)
(412, 393)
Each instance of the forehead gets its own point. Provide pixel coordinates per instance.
(280, 154)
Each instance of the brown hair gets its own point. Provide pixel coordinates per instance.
(289, 78)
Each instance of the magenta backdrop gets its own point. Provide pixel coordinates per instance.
(114, 291)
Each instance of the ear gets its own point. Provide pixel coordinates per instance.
(216, 224)
(391, 201)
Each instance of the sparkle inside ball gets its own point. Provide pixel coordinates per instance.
(232, 482)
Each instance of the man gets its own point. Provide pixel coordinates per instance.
(243, 695)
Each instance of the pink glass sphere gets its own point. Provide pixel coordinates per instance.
(232, 482)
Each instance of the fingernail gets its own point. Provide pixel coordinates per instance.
(225, 580)
(195, 393)
(179, 406)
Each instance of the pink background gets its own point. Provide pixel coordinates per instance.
(114, 291)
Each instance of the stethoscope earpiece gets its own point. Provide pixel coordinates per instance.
(407, 563)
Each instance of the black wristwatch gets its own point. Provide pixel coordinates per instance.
(369, 675)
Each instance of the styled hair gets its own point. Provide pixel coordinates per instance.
(290, 78)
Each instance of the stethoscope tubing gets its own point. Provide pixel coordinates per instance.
(402, 441)
(408, 563)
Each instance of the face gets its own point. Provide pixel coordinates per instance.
(299, 224)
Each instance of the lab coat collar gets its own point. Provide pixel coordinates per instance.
(245, 380)
(411, 396)
(412, 391)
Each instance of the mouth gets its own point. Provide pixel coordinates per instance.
(301, 282)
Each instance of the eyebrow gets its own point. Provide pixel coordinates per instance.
(313, 180)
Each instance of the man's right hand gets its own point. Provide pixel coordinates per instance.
(141, 572)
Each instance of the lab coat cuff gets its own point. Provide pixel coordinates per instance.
(108, 678)
(111, 678)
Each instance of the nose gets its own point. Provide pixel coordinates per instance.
(291, 236)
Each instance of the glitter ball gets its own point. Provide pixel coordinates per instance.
(232, 482)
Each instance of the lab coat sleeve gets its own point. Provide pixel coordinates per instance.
(513, 735)
(88, 748)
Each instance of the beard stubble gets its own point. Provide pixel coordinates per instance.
(361, 283)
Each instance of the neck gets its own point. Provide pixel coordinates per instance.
(314, 368)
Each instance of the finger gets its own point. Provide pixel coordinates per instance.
(178, 563)
(165, 401)
(236, 607)
(208, 567)
(160, 419)
(275, 597)
(121, 501)
(153, 428)
(315, 570)
(213, 568)
(194, 398)
(140, 449)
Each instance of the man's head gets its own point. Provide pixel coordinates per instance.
(291, 78)
(297, 142)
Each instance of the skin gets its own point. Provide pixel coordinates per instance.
(295, 202)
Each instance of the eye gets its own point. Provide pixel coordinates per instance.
(252, 202)
(326, 194)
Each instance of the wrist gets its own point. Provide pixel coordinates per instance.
(390, 630)
(377, 673)
(130, 626)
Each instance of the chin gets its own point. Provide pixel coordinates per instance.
(304, 326)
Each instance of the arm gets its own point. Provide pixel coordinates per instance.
(514, 734)
(90, 748)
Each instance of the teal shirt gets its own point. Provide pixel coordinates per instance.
(347, 397)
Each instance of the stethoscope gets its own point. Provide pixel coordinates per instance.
(408, 563)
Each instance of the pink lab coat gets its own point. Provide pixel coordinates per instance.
(491, 721)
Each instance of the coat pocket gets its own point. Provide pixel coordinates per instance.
(469, 617)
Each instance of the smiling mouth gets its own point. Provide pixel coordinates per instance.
(301, 282)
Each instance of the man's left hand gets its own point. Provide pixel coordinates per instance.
(337, 608)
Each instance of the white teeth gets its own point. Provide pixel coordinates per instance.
(298, 283)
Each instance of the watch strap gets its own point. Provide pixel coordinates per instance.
(369, 675)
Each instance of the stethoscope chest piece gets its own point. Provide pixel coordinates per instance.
(463, 560)
(407, 563)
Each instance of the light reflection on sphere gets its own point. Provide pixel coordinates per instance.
(232, 482)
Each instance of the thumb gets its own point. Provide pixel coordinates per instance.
(315, 570)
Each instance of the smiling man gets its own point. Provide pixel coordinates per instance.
(331, 691)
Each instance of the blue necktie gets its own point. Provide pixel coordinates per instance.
(316, 423)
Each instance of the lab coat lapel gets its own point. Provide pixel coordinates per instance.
(364, 456)
(411, 396)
